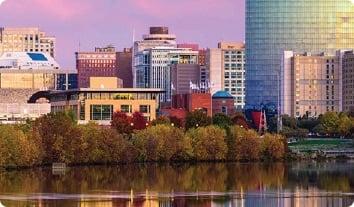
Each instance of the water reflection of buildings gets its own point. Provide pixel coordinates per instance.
(300, 197)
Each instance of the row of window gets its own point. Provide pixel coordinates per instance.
(105, 112)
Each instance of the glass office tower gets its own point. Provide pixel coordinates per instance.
(273, 26)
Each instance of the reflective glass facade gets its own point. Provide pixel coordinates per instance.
(274, 26)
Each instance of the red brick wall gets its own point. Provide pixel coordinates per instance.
(200, 101)
(228, 103)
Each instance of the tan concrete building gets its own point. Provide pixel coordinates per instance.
(310, 84)
(98, 104)
(26, 40)
(226, 67)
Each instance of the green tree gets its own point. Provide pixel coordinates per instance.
(330, 122)
(222, 121)
(345, 125)
(208, 143)
(197, 118)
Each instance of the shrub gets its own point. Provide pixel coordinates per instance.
(273, 147)
(161, 143)
(16, 150)
(208, 143)
(244, 144)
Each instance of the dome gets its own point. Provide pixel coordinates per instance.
(222, 95)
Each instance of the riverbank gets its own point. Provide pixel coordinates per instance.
(57, 138)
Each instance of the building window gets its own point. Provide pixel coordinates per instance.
(101, 112)
(144, 109)
(126, 108)
(224, 110)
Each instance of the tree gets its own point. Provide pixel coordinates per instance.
(272, 147)
(345, 125)
(139, 121)
(208, 143)
(222, 121)
(161, 120)
(60, 137)
(240, 120)
(122, 123)
(244, 145)
(330, 122)
(161, 143)
(197, 118)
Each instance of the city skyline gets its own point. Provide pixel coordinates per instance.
(205, 22)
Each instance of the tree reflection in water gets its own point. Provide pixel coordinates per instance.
(230, 184)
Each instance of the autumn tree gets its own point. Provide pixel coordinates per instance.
(122, 123)
(139, 121)
(272, 147)
(244, 144)
(197, 118)
(161, 143)
(208, 143)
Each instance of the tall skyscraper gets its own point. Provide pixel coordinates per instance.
(26, 40)
(226, 66)
(348, 81)
(158, 37)
(275, 26)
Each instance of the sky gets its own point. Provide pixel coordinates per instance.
(97, 23)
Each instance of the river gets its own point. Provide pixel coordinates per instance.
(312, 184)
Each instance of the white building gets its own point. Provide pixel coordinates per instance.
(153, 67)
(27, 61)
(158, 37)
(226, 67)
(26, 39)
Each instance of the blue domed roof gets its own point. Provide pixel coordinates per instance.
(223, 95)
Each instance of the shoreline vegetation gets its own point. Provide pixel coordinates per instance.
(57, 138)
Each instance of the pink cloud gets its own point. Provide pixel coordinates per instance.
(61, 9)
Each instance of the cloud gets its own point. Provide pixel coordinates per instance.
(1, 2)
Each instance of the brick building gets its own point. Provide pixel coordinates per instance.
(100, 63)
(124, 67)
(223, 102)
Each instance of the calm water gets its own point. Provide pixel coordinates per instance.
(202, 185)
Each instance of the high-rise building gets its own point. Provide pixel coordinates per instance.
(275, 26)
(124, 67)
(348, 81)
(100, 63)
(310, 84)
(153, 67)
(26, 40)
(226, 67)
(182, 76)
(158, 37)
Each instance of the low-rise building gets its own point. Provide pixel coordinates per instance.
(99, 103)
(223, 103)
